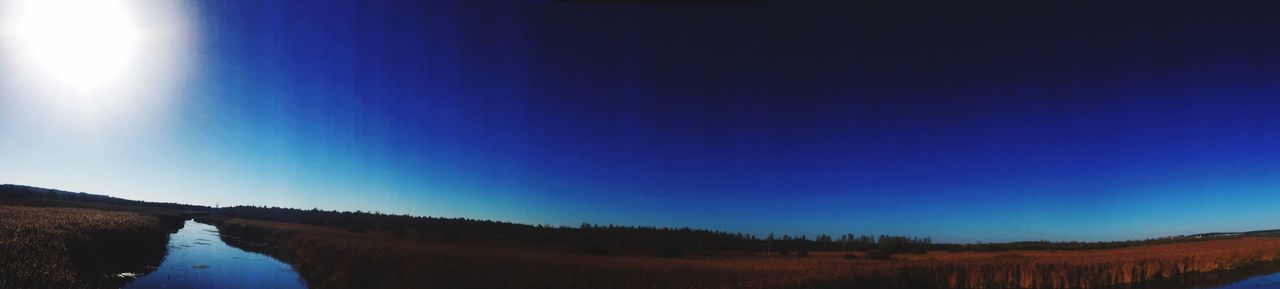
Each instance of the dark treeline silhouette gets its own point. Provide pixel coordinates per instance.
(596, 239)
(588, 236)
(20, 193)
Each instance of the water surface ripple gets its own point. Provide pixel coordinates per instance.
(198, 259)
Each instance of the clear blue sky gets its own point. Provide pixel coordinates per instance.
(963, 123)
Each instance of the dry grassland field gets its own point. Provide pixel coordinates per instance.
(335, 258)
(75, 247)
(61, 240)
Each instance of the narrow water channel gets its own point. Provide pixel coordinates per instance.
(198, 259)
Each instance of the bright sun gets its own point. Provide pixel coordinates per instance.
(80, 44)
(92, 57)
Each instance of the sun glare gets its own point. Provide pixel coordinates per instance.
(92, 59)
(79, 44)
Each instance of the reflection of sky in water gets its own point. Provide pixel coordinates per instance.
(199, 259)
(1265, 281)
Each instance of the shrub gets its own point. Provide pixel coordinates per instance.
(849, 256)
(802, 253)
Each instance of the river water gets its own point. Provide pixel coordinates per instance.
(1264, 281)
(198, 259)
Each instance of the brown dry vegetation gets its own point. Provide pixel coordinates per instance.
(74, 247)
(334, 258)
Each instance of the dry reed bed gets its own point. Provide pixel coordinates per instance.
(331, 258)
(72, 247)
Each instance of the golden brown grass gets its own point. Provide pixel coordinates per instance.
(73, 247)
(332, 258)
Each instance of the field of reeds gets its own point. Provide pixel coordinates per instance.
(335, 258)
(75, 247)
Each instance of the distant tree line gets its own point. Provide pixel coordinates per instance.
(589, 238)
(596, 239)
(463, 229)
(20, 193)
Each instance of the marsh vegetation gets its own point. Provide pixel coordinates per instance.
(72, 240)
(76, 248)
(335, 258)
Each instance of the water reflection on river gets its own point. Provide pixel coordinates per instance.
(198, 259)
(1265, 281)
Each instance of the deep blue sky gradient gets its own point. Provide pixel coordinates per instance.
(964, 123)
